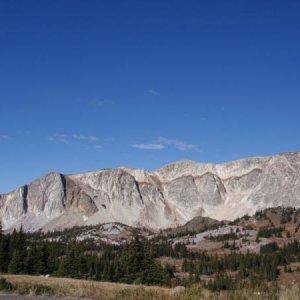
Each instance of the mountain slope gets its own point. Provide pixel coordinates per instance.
(169, 197)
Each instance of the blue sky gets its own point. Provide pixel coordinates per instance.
(86, 85)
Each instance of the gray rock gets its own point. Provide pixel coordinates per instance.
(13, 206)
(47, 195)
(169, 197)
(210, 189)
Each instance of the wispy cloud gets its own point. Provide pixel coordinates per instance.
(148, 146)
(88, 141)
(86, 138)
(178, 144)
(5, 137)
(153, 92)
(101, 102)
(162, 143)
(58, 137)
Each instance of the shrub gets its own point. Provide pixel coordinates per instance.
(269, 248)
(221, 282)
(5, 285)
(266, 233)
(35, 289)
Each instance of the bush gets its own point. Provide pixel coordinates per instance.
(5, 285)
(221, 282)
(269, 248)
(35, 289)
(266, 233)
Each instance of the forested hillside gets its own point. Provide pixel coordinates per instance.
(161, 259)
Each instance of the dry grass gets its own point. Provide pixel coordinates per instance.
(36, 285)
(25, 284)
(284, 293)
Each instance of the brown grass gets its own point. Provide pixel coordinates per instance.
(36, 285)
(33, 285)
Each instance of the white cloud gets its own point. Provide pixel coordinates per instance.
(102, 102)
(87, 138)
(178, 144)
(5, 137)
(153, 92)
(148, 146)
(58, 137)
(162, 143)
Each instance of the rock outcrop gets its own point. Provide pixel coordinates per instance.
(168, 197)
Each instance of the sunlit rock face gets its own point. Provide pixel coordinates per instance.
(46, 196)
(168, 197)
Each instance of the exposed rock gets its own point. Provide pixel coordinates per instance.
(211, 189)
(77, 200)
(169, 197)
(46, 195)
(13, 206)
(183, 194)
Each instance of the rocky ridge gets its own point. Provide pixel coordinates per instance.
(168, 197)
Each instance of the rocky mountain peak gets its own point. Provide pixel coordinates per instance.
(168, 197)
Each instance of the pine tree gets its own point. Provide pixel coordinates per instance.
(69, 265)
(18, 251)
(52, 262)
(16, 265)
(35, 263)
(153, 273)
(4, 251)
(132, 260)
(1, 231)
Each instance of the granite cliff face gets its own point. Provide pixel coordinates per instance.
(169, 197)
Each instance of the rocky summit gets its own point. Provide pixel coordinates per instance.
(168, 197)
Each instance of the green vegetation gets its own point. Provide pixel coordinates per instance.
(33, 254)
(221, 282)
(266, 233)
(250, 269)
(5, 285)
(269, 248)
(136, 261)
(260, 215)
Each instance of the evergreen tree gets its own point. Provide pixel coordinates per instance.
(16, 265)
(153, 273)
(1, 231)
(35, 263)
(54, 251)
(70, 264)
(4, 251)
(132, 261)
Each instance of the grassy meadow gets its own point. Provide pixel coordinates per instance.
(38, 285)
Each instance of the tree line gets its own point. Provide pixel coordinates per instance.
(136, 261)
(249, 269)
(22, 253)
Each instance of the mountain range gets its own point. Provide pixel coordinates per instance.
(168, 197)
